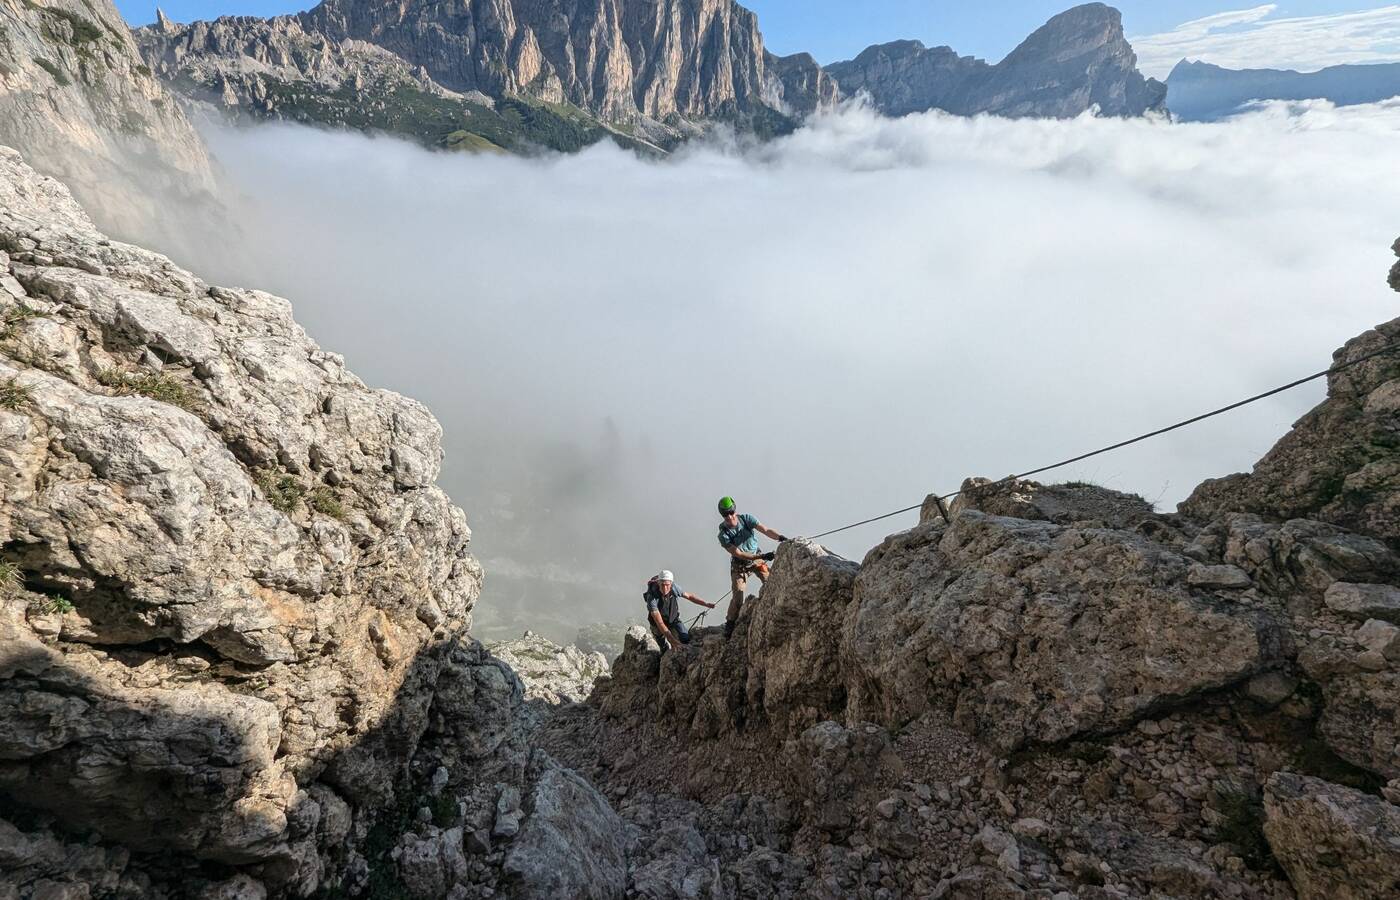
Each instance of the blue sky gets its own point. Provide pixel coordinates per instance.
(1302, 34)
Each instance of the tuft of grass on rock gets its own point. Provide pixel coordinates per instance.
(13, 395)
(283, 492)
(11, 319)
(11, 580)
(156, 386)
(323, 500)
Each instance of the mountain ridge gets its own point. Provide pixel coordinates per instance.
(1201, 91)
(648, 74)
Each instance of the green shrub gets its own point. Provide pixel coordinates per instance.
(45, 605)
(58, 74)
(444, 809)
(13, 395)
(283, 492)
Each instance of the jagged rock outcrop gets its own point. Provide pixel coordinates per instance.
(78, 102)
(550, 673)
(1333, 841)
(1339, 463)
(234, 606)
(1034, 632)
(1077, 61)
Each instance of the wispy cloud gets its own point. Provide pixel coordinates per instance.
(1253, 39)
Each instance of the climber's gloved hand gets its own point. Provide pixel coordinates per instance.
(767, 557)
(783, 539)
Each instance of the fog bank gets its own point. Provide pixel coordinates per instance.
(827, 327)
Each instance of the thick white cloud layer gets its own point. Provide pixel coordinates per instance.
(827, 327)
(1255, 38)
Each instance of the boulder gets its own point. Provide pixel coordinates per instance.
(793, 646)
(1032, 632)
(1365, 601)
(1361, 719)
(571, 843)
(1334, 842)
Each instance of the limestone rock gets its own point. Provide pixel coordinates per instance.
(1030, 631)
(571, 842)
(1361, 719)
(793, 637)
(1365, 601)
(245, 545)
(1334, 842)
(655, 68)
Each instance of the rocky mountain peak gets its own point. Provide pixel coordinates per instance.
(1079, 60)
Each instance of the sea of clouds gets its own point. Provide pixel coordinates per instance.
(828, 326)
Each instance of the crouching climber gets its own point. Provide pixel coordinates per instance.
(738, 535)
(663, 610)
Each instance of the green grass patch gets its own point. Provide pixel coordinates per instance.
(323, 500)
(282, 491)
(142, 69)
(58, 74)
(13, 395)
(160, 387)
(48, 606)
(471, 143)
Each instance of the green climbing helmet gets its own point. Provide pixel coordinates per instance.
(726, 505)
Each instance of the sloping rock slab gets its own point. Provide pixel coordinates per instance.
(572, 843)
(1033, 632)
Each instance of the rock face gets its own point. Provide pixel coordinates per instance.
(1035, 632)
(77, 100)
(234, 606)
(1333, 841)
(1077, 61)
(650, 72)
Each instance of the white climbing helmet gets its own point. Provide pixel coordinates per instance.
(666, 576)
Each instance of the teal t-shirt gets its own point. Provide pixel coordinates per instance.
(741, 537)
